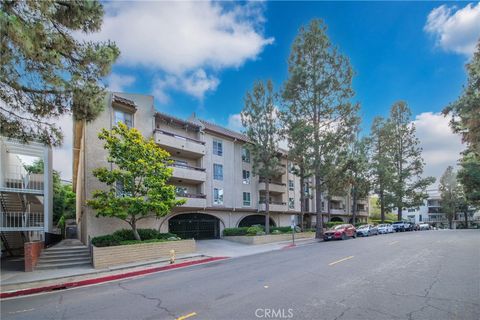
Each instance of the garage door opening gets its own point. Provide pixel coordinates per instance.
(195, 225)
(254, 219)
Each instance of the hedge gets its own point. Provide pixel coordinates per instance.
(125, 236)
(243, 231)
(379, 221)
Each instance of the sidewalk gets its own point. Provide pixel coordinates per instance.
(16, 283)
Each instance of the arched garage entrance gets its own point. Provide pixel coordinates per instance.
(195, 225)
(253, 219)
(336, 219)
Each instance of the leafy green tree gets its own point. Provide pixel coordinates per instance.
(261, 121)
(138, 183)
(357, 172)
(451, 194)
(319, 89)
(381, 167)
(63, 195)
(334, 179)
(408, 188)
(45, 71)
(465, 114)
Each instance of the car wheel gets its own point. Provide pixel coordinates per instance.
(354, 235)
(344, 236)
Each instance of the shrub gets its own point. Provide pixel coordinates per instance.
(276, 232)
(281, 229)
(331, 224)
(125, 236)
(254, 230)
(235, 231)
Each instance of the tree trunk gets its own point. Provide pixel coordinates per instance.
(354, 206)
(465, 214)
(318, 207)
(450, 224)
(302, 198)
(399, 213)
(329, 208)
(267, 206)
(133, 224)
(382, 207)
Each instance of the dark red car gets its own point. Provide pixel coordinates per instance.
(342, 231)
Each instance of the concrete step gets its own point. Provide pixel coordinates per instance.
(66, 248)
(43, 260)
(46, 266)
(65, 255)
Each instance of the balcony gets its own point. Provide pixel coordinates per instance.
(275, 187)
(274, 206)
(184, 145)
(194, 200)
(188, 173)
(17, 179)
(21, 221)
(337, 211)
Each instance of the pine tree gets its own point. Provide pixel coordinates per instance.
(319, 89)
(408, 188)
(45, 71)
(450, 194)
(381, 167)
(261, 121)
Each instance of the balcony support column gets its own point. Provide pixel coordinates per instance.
(47, 190)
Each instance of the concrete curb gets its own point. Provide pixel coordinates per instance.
(86, 282)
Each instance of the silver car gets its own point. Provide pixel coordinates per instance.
(385, 228)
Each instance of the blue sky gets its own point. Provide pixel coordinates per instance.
(203, 56)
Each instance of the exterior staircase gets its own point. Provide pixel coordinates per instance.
(68, 253)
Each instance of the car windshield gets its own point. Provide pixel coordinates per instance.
(340, 226)
(363, 227)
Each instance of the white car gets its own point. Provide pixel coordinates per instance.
(424, 226)
(385, 228)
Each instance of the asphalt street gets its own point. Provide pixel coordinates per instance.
(411, 275)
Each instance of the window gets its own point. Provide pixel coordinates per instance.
(217, 147)
(217, 171)
(181, 164)
(246, 199)
(291, 203)
(290, 167)
(217, 196)
(125, 117)
(291, 186)
(119, 189)
(420, 218)
(245, 155)
(181, 191)
(246, 176)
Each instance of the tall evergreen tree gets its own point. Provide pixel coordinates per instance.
(451, 194)
(319, 88)
(45, 71)
(408, 187)
(465, 114)
(299, 152)
(381, 164)
(357, 172)
(261, 121)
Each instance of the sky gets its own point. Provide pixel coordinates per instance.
(202, 57)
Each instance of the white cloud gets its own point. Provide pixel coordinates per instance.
(185, 44)
(456, 30)
(117, 82)
(441, 147)
(62, 156)
(235, 122)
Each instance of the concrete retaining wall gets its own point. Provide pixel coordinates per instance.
(105, 257)
(269, 238)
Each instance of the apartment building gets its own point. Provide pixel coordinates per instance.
(212, 170)
(25, 198)
(431, 212)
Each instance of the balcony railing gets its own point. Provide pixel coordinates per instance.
(273, 202)
(16, 178)
(21, 221)
(185, 166)
(192, 195)
(263, 180)
(177, 136)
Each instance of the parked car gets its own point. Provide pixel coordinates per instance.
(342, 231)
(367, 230)
(385, 228)
(424, 226)
(401, 226)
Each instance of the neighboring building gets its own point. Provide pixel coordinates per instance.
(212, 171)
(25, 198)
(431, 212)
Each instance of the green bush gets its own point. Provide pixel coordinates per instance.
(255, 230)
(235, 231)
(379, 221)
(125, 236)
(281, 229)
